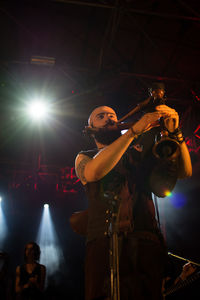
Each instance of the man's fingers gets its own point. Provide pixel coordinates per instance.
(166, 109)
(157, 115)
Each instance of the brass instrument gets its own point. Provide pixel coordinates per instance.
(166, 147)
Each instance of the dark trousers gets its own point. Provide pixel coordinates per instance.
(141, 267)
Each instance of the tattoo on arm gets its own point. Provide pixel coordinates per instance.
(81, 168)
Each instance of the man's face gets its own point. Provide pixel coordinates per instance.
(104, 117)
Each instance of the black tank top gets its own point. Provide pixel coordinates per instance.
(127, 183)
(25, 276)
(33, 292)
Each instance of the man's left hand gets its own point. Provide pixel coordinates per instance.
(171, 120)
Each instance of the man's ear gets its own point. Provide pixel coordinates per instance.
(88, 132)
(91, 134)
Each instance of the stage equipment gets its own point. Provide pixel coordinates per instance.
(43, 61)
(114, 245)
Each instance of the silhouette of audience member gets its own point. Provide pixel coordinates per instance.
(178, 287)
(30, 277)
(5, 279)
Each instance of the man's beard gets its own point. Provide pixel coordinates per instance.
(107, 135)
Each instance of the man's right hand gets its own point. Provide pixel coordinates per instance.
(147, 122)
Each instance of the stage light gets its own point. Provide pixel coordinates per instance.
(43, 61)
(38, 109)
(51, 253)
(3, 226)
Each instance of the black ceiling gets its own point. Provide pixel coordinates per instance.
(91, 53)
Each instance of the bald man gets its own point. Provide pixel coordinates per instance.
(116, 171)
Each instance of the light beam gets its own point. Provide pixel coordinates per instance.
(3, 225)
(51, 253)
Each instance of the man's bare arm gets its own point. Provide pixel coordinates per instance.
(106, 159)
(185, 165)
(80, 163)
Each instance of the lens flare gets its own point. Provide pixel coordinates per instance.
(168, 193)
(178, 200)
(38, 110)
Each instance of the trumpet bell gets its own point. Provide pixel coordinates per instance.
(166, 148)
(164, 175)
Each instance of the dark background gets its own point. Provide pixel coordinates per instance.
(91, 53)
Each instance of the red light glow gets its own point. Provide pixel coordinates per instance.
(196, 133)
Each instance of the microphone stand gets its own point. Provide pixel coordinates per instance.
(185, 259)
(114, 250)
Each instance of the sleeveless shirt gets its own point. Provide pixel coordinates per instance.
(126, 185)
(33, 292)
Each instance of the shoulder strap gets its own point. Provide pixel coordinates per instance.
(89, 153)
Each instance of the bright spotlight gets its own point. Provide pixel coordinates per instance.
(38, 110)
(3, 226)
(0, 199)
(51, 252)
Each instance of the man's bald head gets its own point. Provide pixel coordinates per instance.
(98, 111)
